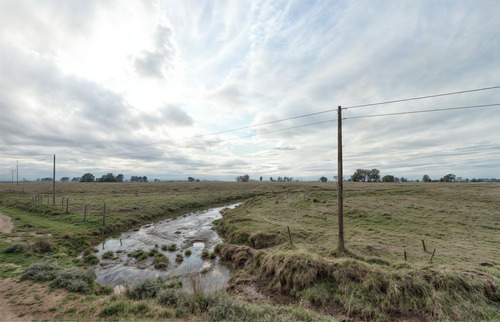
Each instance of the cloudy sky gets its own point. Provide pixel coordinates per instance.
(151, 87)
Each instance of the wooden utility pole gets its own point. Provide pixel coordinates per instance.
(17, 173)
(54, 183)
(340, 187)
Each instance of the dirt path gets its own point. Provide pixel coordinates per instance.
(5, 224)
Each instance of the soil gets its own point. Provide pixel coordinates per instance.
(5, 224)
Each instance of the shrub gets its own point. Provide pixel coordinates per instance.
(14, 248)
(146, 289)
(179, 258)
(42, 245)
(168, 297)
(164, 247)
(40, 272)
(212, 255)
(204, 254)
(91, 260)
(218, 247)
(172, 247)
(152, 252)
(136, 253)
(112, 310)
(108, 255)
(188, 252)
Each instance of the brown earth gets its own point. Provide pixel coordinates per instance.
(5, 224)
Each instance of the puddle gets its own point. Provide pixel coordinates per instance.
(189, 232)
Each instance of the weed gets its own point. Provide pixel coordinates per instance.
(14, 248)
(179, 258)
(164, 247)
(204, 254)
(108, 255)
(146, 289)
(172, 248)
(212, 255)
(91, 260)
(42, 246)
(188, 252)
(113, 310)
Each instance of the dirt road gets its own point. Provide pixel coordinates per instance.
(5, 224)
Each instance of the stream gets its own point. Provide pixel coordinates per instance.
(192, 232)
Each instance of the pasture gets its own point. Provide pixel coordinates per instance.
(372, 281)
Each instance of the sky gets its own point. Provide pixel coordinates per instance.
(154, 87)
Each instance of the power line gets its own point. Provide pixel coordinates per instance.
(322, 112)
(422, 111)
(423, 97)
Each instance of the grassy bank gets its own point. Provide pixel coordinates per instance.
(462, 222)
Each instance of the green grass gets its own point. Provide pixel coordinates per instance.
(460, 221)
(381, 222)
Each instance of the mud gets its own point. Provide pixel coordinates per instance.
(5, 224)
(192, 231)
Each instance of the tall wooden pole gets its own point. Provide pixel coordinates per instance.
(17, 173)
(340, 187)
(54, 183)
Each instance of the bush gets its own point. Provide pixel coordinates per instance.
(204, 254)
(172, 247)
(74, 280)
(42, 245)
(113, 310)
(146, 289)
(91, 260)
(179, 258)
(188, 252)
(168, 297)
(164, 247)
(40, 272)
(14, 248)
(108, 255)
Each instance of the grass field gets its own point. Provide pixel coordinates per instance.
(382, 221)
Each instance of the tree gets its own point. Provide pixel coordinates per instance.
(191, 179)
(374, 175)
(75, 179)
(271, 179)
(144, 179)
(244, 178)
(323, 179)
(388, 178)
(119, 178)
(260, 178)
(87, 177)
(449, 178)
(65, 179)
(107, 178)
(426, 178)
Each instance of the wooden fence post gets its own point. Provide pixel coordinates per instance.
(85, 212)
(434, 252)
(104, 215)
(67, 203)
(405, 255)
(423, 245)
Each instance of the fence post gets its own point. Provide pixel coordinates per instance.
(67, 202)
(85, 212)
(104, 215)
(289, 235)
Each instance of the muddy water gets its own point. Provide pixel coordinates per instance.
(193, 231)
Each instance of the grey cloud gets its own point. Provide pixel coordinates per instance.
(152, 64)
(174, 115)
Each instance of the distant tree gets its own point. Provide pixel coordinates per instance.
(65, 179)
(144, 179)
(119, 178)
(191, 179)
(323, 179)
(87, 177)
(157, 180)
(374, 175)
(403, 179)
(449, 178)
(426, 178)
(280, 179)
(260, 178)
(107, 178)
(271, 179)
(388, 178)
(244, 178)
(75, 179)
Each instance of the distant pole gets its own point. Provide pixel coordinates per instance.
(54, 183)
(340, 187)
(104, 215)
(12, 176)
(17, 173)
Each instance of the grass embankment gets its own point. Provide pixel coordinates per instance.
(462, 222)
